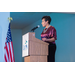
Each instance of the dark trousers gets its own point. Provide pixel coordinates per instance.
(51, 52)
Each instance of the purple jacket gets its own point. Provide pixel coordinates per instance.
(49, 33)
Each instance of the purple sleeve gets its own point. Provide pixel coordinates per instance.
(52, 33)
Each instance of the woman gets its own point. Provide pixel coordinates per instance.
(49, 35)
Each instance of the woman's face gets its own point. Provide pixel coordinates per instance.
(44, 23)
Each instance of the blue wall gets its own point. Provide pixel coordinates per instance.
(65, 26)
(17, 44)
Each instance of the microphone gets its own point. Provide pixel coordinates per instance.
(35, 28)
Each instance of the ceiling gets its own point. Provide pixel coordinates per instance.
(23, 19)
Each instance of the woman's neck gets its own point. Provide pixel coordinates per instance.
(47, 26)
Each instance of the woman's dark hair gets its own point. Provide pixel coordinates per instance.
(47, 18)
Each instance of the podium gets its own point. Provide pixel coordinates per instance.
(33, 49)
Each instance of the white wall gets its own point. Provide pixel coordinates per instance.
(3, 32)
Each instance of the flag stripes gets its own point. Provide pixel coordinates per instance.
(9, 54)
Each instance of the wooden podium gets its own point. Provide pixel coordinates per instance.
(37, 50)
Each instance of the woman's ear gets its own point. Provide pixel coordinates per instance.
(47, 21)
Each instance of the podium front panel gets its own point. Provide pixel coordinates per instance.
(34, 48)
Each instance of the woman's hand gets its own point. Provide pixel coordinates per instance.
(48, 40)
(43, 39)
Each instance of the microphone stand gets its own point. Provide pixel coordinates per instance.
(32, 30)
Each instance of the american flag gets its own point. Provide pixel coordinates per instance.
(9, 53)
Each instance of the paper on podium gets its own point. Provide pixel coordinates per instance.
(25, 45)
